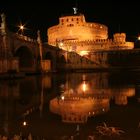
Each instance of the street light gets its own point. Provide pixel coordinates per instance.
(24, 123)
(21, 28)
(138, 37)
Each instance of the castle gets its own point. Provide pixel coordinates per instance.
(74, 34)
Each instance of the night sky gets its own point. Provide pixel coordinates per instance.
(118, 15)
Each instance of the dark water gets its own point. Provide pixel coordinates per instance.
(83, 101)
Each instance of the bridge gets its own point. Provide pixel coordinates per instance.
(24, 54)
(27, 50)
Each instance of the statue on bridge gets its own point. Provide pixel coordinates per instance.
(3, 23)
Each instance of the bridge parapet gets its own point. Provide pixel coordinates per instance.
(25, 38)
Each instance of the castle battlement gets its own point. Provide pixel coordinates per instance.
(98, 44)
(73, 19)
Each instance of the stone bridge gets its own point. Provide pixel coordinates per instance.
(24, 54)
(27, 50)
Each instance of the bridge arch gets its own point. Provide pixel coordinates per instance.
(61, 62)
(49, 56)
(62, 59)
(26, 58)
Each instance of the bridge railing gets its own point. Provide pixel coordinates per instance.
(25, 38)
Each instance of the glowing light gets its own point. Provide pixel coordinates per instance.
(84, 86)
(82, 53)
(24, 123)
(21, 27)
(101, 27)
(139, 37)
(61, 45)
(62, 97)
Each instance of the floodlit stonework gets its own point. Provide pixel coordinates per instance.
(73, 33)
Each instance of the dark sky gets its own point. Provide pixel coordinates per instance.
(118, 15)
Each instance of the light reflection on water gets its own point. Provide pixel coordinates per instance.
(58, 104)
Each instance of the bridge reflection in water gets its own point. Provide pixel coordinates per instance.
(60, 103)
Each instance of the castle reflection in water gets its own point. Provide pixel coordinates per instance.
(63, 99)
(90, 97)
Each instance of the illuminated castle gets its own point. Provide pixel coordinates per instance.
(73, 33)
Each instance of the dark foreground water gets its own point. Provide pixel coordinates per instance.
(82, 102)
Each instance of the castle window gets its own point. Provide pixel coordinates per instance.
(67, 19)
(77, 19)
(72, 19)
(62, 21)
(70, 25)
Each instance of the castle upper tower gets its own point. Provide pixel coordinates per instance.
(74, 27)
(119, 37)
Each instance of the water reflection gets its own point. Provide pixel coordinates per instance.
(41, 104)
(90, 96)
